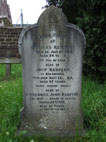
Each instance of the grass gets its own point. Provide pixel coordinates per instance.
(93, 106)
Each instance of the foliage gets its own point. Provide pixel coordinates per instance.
(90, 16)
(92, 21)
(93, 105)
(69, 7)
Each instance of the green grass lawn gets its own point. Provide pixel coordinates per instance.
(93, 106)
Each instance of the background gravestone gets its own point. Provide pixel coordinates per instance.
(52, 55)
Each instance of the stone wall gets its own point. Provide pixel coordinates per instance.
(9, 42)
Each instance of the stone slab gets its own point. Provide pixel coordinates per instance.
(52, 57)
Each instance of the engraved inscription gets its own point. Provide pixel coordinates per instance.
(54, 76)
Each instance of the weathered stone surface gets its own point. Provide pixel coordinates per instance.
(5, 10)
(52, 55)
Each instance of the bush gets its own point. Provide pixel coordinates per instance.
(90, 16)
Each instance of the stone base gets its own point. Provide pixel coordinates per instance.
(33, 127)
(53, 133)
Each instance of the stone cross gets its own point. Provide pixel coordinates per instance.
(52, 55)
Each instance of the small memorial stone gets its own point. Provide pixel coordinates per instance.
(52, 55)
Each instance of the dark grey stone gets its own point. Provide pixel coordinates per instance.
(52, 54)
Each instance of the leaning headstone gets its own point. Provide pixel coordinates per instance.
(52, 55)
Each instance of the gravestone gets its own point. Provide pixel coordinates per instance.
(52, 54)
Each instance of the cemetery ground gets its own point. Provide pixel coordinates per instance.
(93, 106)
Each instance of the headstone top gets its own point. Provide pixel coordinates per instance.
(52, 15)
